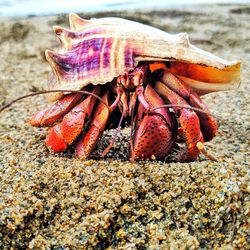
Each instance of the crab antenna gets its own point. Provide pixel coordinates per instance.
(132, 131)
(51, 91)
(186, 107)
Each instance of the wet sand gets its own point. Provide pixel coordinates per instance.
(57, 202)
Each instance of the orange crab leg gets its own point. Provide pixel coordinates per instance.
(154, 133)
(188, 119)
(50, 115)
(65, 133)
(208, 123)
(85, 145)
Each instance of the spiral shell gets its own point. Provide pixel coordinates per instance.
(98, 50)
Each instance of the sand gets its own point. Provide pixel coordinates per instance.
(53, 201)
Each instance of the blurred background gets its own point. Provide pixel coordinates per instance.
(22, 8)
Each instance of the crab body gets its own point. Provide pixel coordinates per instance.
(136, 69)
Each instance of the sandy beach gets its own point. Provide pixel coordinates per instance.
(54, 201)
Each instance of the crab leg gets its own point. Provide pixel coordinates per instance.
(154, 133)
(208, 123)
(52, 114)
(188, 119)
(65, 132)
(124, 104)
(87, 143)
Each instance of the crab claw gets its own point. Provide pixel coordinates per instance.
(65, 133)
(87, 143)
(50, 115)
(154, 135)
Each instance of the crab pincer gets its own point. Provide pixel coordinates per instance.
(65, 133)
(155, 132)
(50, 115)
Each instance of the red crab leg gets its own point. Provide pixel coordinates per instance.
(208, 123)
(153, 135)
(85, 145)
(124, 104)
(65, 132)
(50, 115)
(188, 120)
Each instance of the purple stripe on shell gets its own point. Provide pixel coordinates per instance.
(83, 59)
(81, 55)
(129, 57)
(107, 52)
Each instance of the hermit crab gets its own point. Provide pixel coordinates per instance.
(153, 79)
